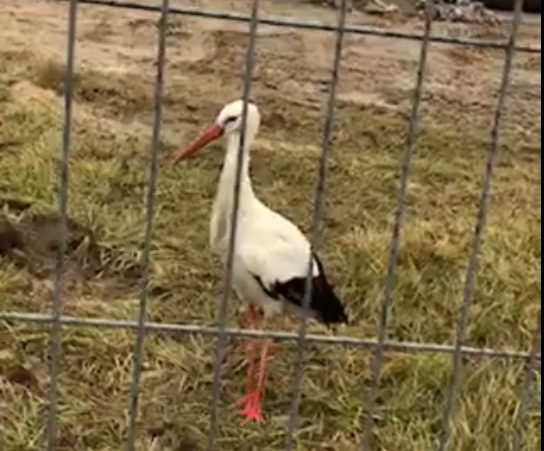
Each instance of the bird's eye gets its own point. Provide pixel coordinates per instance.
(230, 119)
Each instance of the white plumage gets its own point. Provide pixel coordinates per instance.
(271, 254)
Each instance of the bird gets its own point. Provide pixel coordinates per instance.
(271, 256)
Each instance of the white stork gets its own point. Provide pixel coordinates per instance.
(271, 254)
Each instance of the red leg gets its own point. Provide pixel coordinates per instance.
(262, 365)
(253, 411)
(253, 320)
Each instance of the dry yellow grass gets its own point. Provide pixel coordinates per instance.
(108, 172)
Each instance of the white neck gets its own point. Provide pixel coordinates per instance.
(228, 174)
(224, 199)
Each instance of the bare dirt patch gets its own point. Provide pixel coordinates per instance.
(31, 241)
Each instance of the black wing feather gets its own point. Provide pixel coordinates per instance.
(324, 303)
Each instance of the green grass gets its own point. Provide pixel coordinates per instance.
(108, 174)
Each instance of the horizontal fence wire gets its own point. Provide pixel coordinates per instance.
(481, 220)
(290, 23)
(56, 321)
(198, 329)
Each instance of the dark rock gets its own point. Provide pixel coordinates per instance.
(10, 237)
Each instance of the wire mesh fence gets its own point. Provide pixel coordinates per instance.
(381, 344)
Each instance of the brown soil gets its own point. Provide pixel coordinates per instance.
(32, 242)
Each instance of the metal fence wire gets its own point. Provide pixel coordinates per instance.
(381, 344)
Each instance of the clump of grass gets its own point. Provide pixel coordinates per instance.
(51, 75)
(112, 92)
(5, 93)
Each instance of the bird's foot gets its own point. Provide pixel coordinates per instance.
(252, 411)
(246, 400)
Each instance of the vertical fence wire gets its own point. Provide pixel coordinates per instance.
(227, 285)
(63, 207)
(521, 419)
(320, 194)
(149, 214)
(472, 269)
(413, 130)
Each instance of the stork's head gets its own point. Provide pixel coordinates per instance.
(228, 122)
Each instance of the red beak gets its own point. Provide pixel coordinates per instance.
(212, 133)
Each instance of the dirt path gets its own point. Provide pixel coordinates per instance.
(292, 65)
